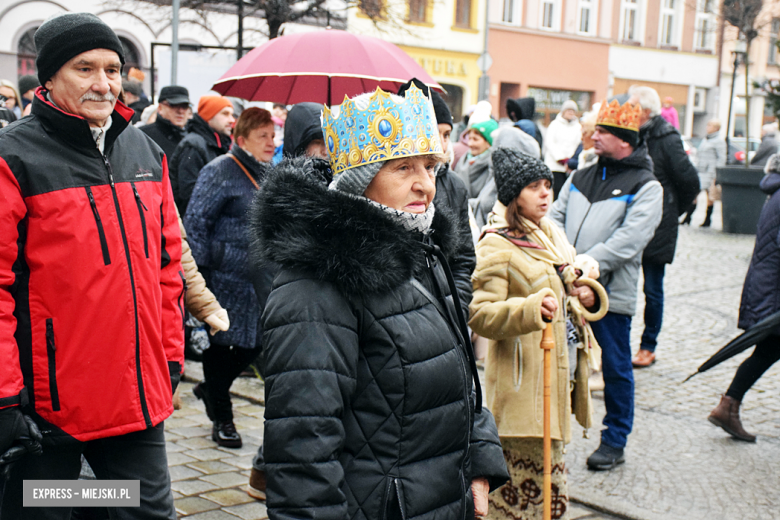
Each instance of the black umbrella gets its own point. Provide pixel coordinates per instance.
(744, 341)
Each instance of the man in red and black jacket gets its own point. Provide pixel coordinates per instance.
(91, 320)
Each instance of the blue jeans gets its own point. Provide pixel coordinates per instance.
(654, 303)
(613, 333)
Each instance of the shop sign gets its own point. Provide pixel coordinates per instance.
(441, 66)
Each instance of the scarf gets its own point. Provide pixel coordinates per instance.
(420, 222)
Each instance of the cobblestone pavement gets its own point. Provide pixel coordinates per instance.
(679, 466)
(209, 482)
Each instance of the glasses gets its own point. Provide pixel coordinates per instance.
(179, 108)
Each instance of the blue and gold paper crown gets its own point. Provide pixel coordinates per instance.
(384, 130)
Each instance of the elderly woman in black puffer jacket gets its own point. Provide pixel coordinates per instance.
(373, 409)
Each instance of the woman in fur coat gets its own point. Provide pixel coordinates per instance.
(373, 407)
(525, 276)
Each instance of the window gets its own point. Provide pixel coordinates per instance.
(668, 25)
(704, 38)
(772, 57)
(513, 12)
(463, 13)
(587, 17)
(548, 14)
(630, 21)
(417, 11)
(132, 56)
(25, 54)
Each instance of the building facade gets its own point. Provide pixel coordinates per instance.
(138, 25)
(587, 50)
(764, 65)
(446, 37)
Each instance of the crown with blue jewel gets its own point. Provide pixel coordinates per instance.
(384, 130)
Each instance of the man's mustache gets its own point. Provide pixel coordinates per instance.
(94, 96)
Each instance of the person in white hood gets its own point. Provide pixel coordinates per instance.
(563, 136)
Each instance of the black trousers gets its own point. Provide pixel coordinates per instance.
(221, 366)
(766, 354)
(133, 456)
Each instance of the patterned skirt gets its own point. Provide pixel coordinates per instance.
(522, 497)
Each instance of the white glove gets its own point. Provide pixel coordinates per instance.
(218, 321)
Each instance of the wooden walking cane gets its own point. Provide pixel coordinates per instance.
(548, 343)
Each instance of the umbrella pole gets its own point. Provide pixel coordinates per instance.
(548, 343)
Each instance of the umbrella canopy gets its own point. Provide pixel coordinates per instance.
(320, 66)
(744, 341)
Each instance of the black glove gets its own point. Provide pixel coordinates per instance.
(175, 378)
(19, 435)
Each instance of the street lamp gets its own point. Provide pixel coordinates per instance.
(739, 50)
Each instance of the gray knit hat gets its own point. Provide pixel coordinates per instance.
(356, 180)
(65, 36)
(514, 170)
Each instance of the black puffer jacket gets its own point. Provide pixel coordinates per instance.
(369, 397)
(679, 179)
(761, 292)
(199, 147)
(451, 193)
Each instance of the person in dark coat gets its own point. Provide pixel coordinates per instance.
(522, 112)
(208, 137)
(168, 129)
(373, 408)
(451, 193)
(760, 298)
(133, 93)
(217, 227)
(768, 146)
(680, 182)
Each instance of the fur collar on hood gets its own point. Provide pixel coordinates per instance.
(298, 223)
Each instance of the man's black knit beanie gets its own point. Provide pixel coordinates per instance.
(65, 36)
(513, 170)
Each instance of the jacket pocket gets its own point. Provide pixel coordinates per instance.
(99, 223)
(141, 208)
(51, 351)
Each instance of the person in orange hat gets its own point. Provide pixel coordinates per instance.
(208, 137)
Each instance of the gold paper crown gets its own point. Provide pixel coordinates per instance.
(625, 116)
(384, 130)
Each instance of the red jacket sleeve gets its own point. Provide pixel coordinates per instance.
(171, 279)
(12, 211)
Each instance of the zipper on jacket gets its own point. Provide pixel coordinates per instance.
(141, 391)
(51, 349)
(101, 231)
(141, 208)
(577, 236)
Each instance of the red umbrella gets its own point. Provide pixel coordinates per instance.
(320, 66)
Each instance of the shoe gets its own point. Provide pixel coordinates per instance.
(644, 358)
(256, 488)
(201, 392)
(708, 217)
(726, 415)
(225, 434)
(605, 458)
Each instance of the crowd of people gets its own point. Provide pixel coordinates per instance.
(357, 258)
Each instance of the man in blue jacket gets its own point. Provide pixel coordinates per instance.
(610, 211)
